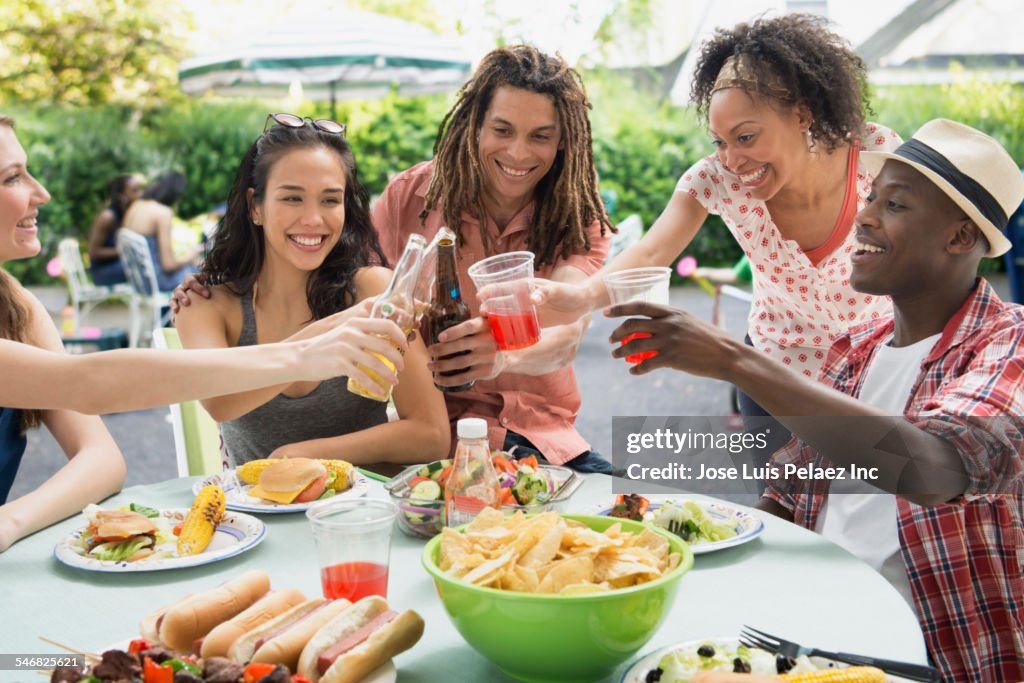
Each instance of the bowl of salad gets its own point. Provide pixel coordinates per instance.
(525, 485)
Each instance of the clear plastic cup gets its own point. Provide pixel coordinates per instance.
(510, 312)
(649, 285)
(353, 542)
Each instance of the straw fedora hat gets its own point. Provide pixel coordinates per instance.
(970, 167)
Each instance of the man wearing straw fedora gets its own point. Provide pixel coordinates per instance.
(939, 489)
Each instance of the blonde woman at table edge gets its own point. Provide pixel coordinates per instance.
(297, 246)
(42, 385)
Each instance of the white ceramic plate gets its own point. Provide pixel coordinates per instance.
(237, 499)
(636, 672)
(385, 673)
(236, 533)
(750, 527)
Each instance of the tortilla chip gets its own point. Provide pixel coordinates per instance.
(490, 571)
(565, 573)
(545, 549)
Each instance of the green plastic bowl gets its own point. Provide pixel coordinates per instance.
(542, 638)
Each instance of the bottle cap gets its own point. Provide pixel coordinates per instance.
(472, 428)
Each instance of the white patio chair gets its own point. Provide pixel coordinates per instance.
(138, 267)
(84, 294)
(196, 435)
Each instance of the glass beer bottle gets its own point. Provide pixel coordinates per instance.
(473, 483)
(447, 309)
(398, 304)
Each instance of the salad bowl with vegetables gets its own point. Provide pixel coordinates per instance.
(525, 484)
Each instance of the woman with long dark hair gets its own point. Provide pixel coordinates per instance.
(295, 252)
(43, 386)
(104, 264)
(152, 216)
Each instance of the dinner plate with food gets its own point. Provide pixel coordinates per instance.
(138, 538)
(706, 525)
(282, 485)
(712, 660)
(243, 630)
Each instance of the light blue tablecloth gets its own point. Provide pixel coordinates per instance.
(789, 581)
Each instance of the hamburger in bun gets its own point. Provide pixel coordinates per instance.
(292, 480)
(179, 626)
(218, 641)
(119, 535)
(358, 640)
(281, 639)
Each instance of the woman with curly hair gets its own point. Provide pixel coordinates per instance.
(784, 100)
(296, 253)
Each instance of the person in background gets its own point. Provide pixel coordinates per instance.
(43, 386)
(784, 102)
(294, 251)
(104, 264)
(513, 170)
(931, 398)
(152, 216)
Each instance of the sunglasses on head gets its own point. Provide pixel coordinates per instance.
(293, 121)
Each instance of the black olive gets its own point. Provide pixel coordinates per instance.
(706, 651)
(784, 664)
(653, 676)
(740, 667)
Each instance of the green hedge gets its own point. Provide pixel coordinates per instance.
(641, 147)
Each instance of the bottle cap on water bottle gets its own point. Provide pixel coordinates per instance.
(472, 428)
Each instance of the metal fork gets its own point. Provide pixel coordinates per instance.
(679, 529)
(751, 637)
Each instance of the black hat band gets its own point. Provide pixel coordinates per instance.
(918, 152)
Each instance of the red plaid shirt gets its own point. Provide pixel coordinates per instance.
(964, 559)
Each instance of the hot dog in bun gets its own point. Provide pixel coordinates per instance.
(291, 480)
(280, 640)
(358, 640)
(180, 625)
(218, 641)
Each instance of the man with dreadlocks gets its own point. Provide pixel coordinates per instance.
(513, 170)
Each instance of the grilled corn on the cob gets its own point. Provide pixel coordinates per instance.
(206, 513)
(343, 471)
(853, 674)
(250, 472)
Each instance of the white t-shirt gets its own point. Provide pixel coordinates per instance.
(799, 307)
(860, 517)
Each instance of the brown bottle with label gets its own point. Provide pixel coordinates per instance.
(447, 308)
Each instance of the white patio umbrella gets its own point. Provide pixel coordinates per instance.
(333, 56)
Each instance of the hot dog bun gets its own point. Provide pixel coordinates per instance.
(218, 641)
(148, 626)
(391, 634)
(280, 640)
(188, 620)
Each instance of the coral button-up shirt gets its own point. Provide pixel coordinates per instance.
(542, 408)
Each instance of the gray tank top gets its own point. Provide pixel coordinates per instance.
(327, 411)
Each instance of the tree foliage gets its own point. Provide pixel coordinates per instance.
(88, 52)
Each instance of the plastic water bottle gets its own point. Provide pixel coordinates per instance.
(473, 483)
